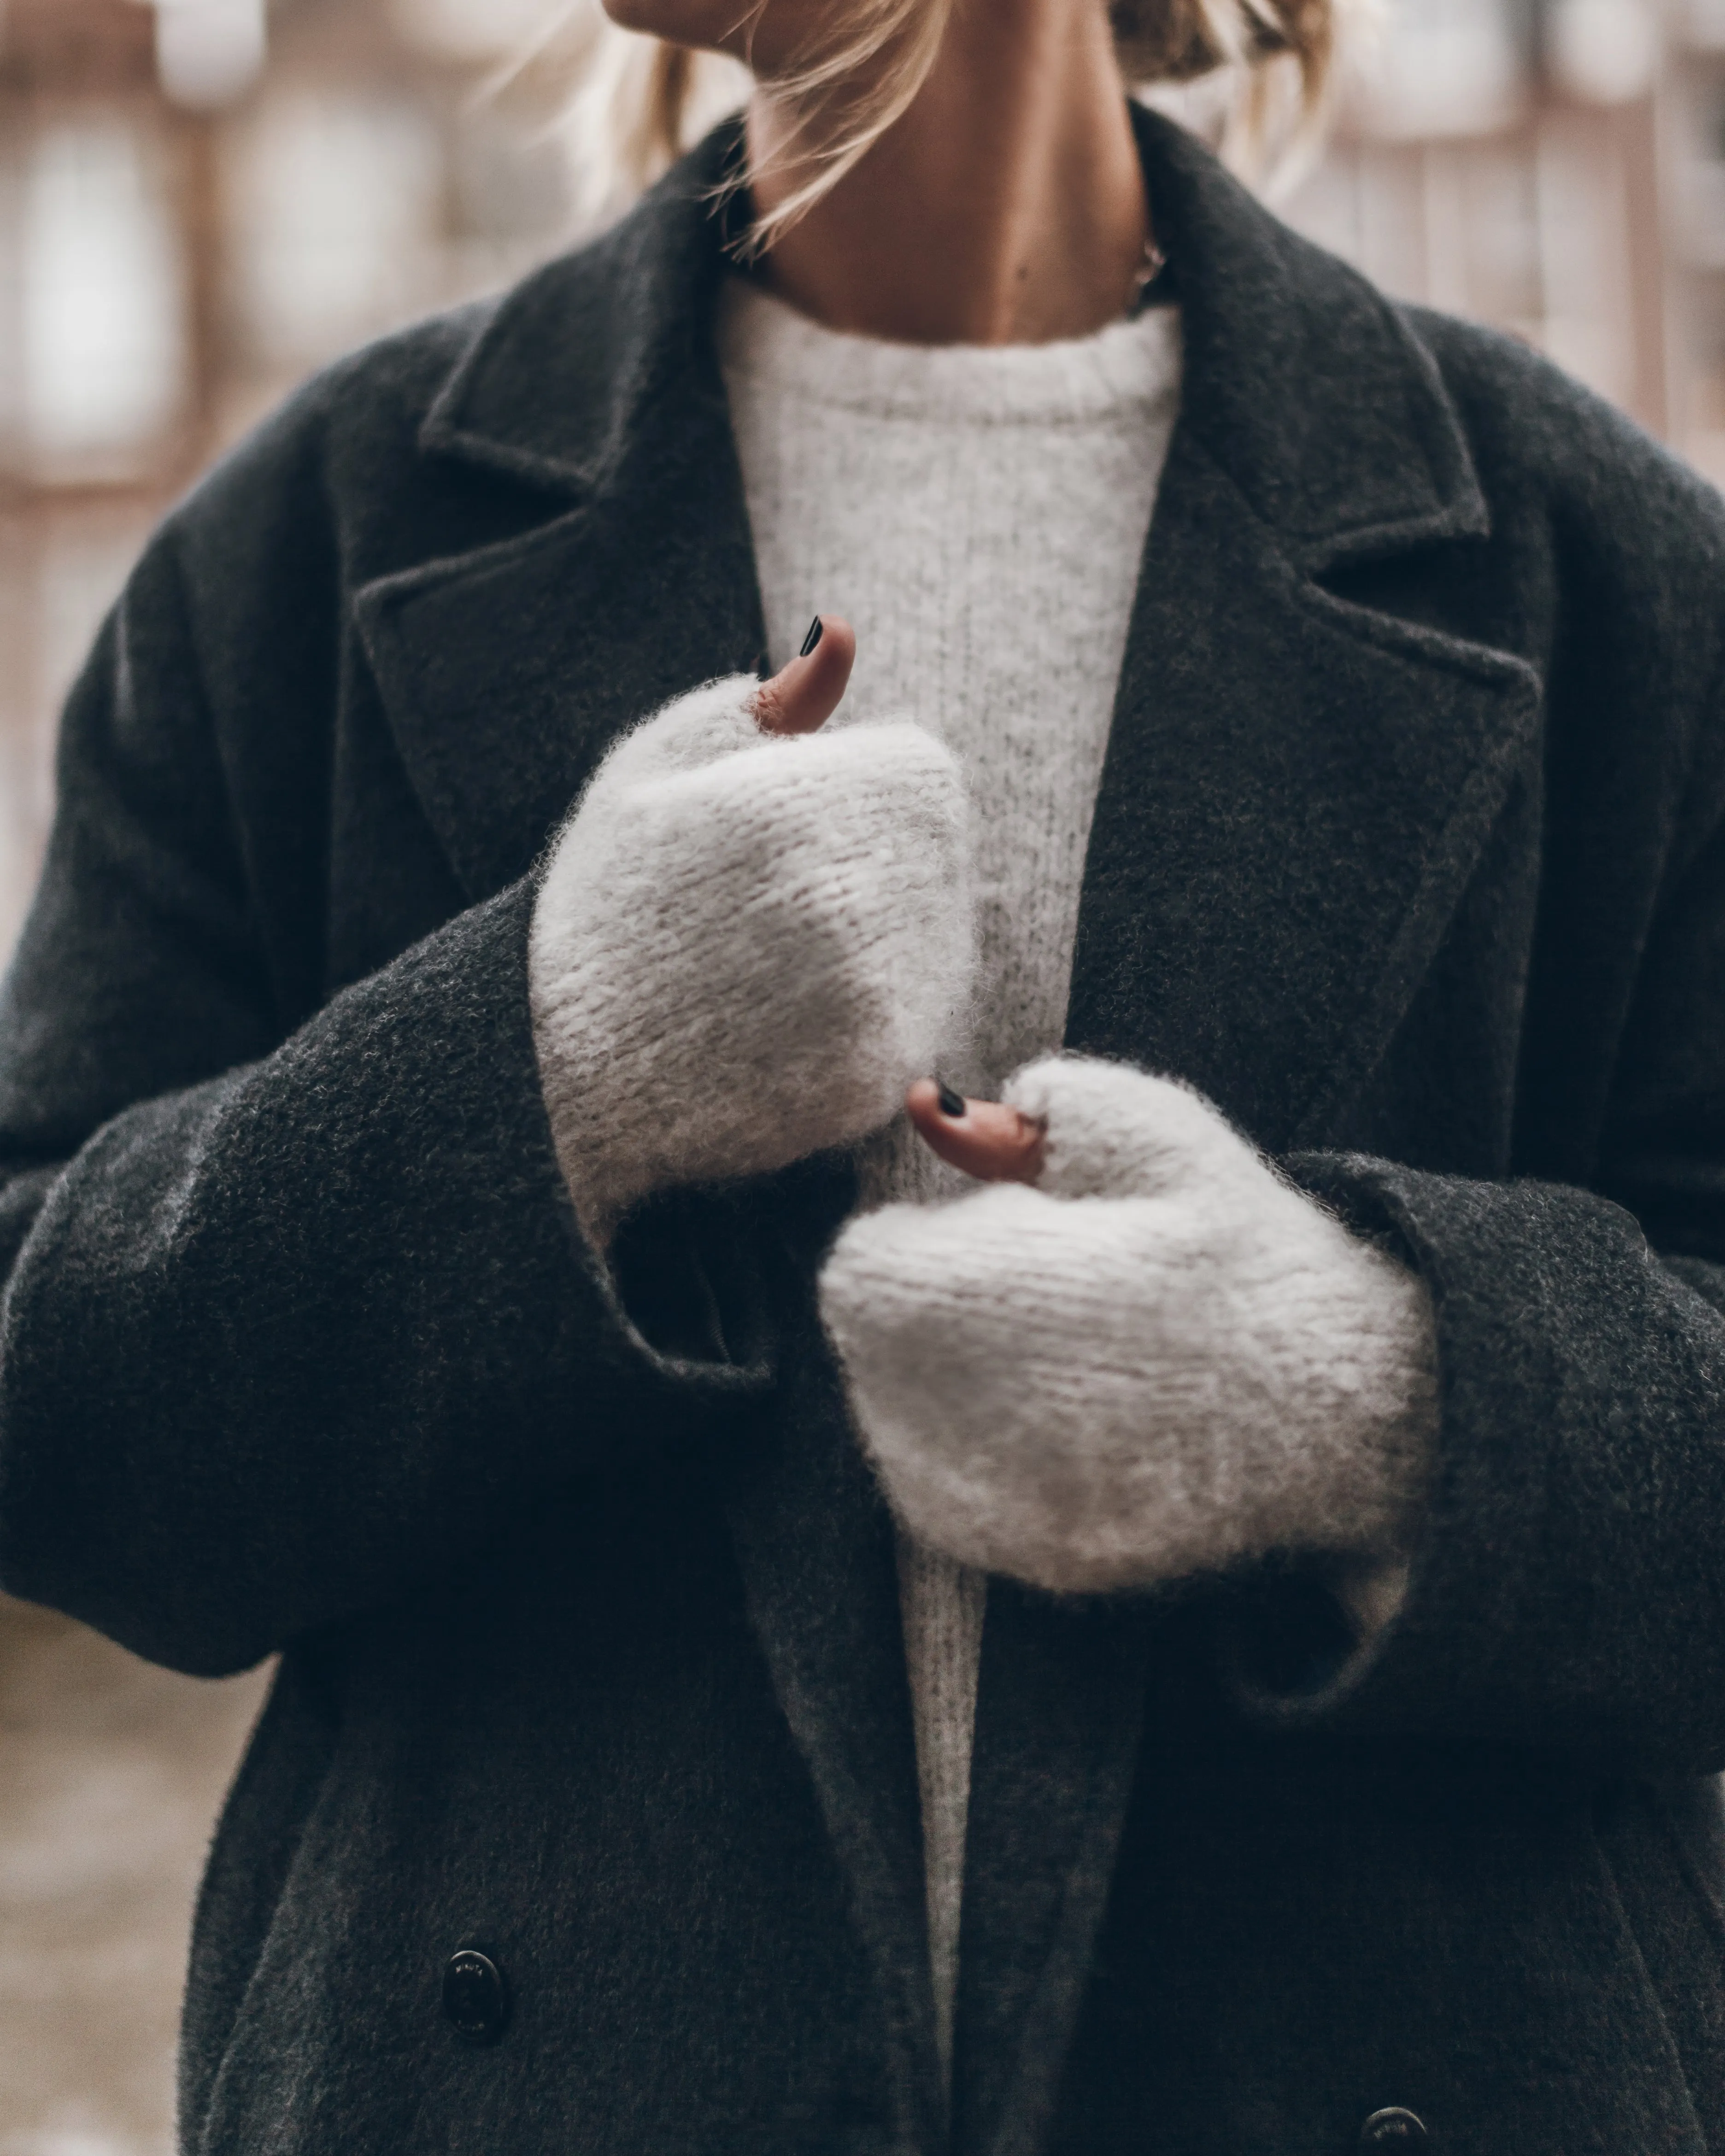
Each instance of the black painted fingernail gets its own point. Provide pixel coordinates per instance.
(951, 1103)
(816, 630)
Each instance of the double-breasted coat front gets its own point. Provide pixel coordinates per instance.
(1407, 853)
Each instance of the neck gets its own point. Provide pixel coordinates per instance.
(1006, 206)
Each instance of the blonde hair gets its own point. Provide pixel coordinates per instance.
(640, 101)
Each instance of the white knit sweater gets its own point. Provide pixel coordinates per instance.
(978, 513)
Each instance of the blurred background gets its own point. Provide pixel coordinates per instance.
(203, 200)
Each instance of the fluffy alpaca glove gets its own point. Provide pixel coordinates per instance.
(744, 946)
(1162, 1360)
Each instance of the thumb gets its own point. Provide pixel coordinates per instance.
(985, 1138)
(804, 695)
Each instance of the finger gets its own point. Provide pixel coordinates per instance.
(805, 694)
(988, 1140)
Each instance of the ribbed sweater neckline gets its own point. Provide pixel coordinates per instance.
(1133, 363)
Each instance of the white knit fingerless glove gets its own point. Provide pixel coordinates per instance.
(744, 946)
(1162, 1361)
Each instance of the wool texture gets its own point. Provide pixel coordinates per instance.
(1162, 1360)
(979, 515)
(942, 1604)
(745, 946)
(1407, 853)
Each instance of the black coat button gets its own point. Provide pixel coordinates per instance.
(1394, 2128)
(476, 1997)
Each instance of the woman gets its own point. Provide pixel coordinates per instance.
(1209, 1636)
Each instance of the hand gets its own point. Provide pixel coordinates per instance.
(1160, 1360)
(750, 934)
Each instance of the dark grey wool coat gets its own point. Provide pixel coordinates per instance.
(1408, 852)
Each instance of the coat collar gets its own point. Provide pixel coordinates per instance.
(506, 671)
(1274, 853)
(585, 358)
(1295, 791)
(1303, 380)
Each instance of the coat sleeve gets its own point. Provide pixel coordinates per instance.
(1569, 1590)
(289, 1321)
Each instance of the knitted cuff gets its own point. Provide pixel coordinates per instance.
(744, 946)
(1163, 1361)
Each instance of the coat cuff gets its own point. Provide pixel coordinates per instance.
(1563, 1593)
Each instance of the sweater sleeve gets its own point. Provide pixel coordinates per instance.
(1158, 1363)
(289, 1321)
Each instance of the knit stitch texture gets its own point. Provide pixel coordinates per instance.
(1162, 1361)
(978, 513)
(744, 946)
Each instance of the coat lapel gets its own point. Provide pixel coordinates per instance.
(1294, 793)
(815, 1548)
(1296, 787)
(1060, 1716)
(507, 671)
